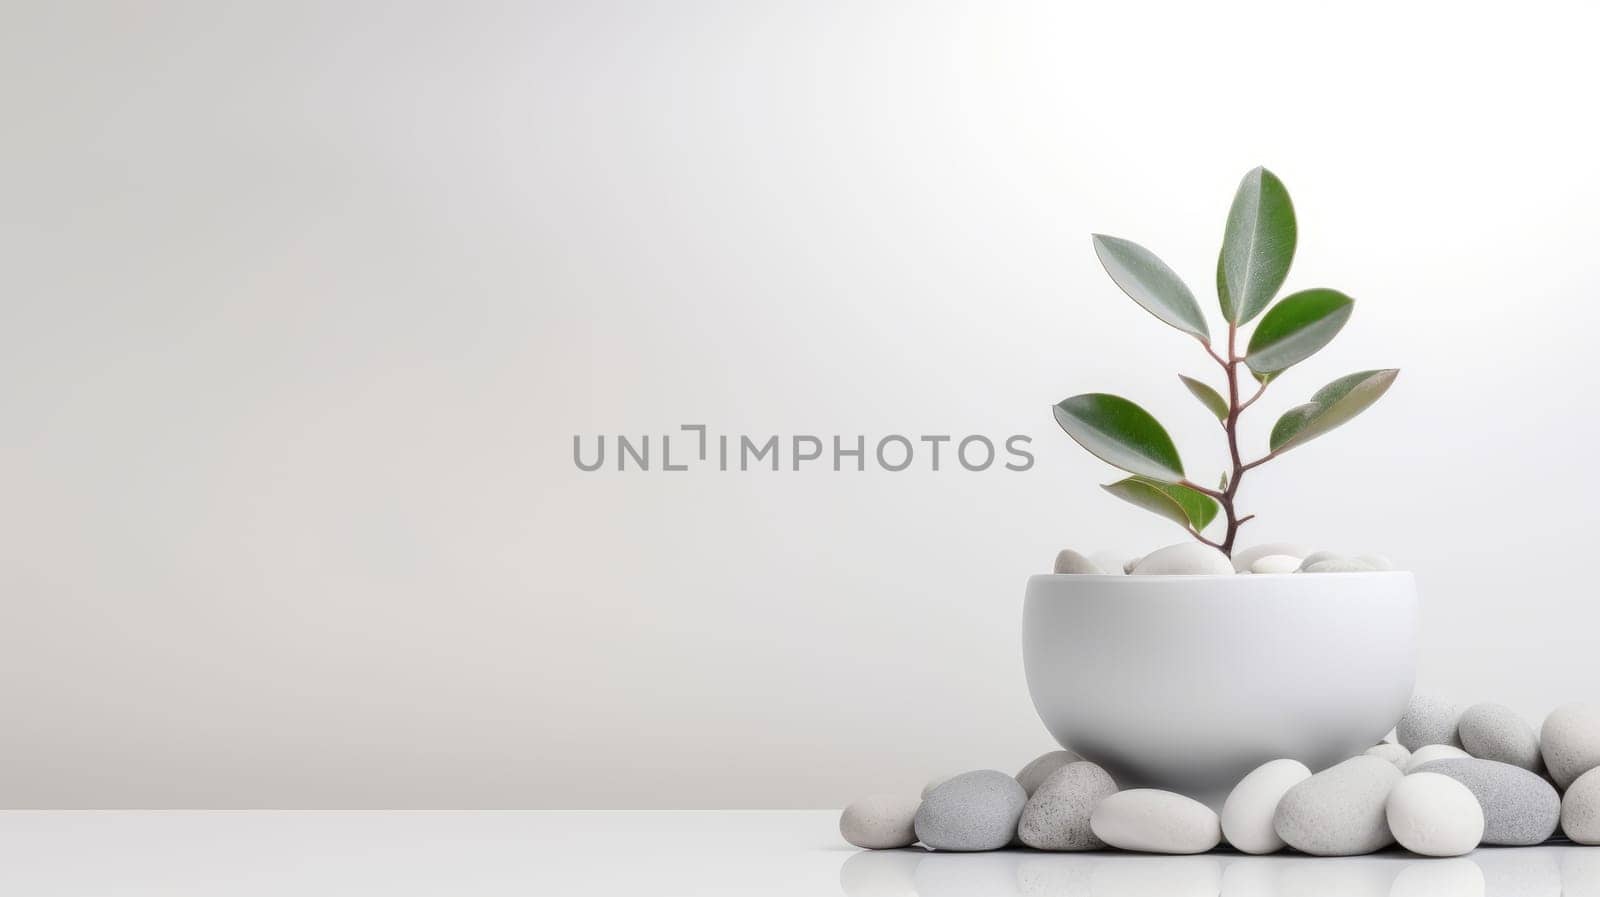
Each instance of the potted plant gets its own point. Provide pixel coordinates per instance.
(1188, 682)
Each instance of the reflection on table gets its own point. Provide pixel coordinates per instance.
(1562, 870)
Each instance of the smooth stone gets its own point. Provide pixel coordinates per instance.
(1317, 557)
(935, 782)
(1056, 816)
(975, 810)
(1109, 561)
(1570, 742)
(1580, 809)
(1276, 563)
(1152, 821)
(1496, 732)
(1337, 565)
(1248, 811)
(1245, 557)
(1185, 559)
(1376, 561)
(1030, 777)
(1394, 753)
(1339, 811)
(1069, 561)
(1428, 720)
(1130, 563)
(1429, 753)
(1520, 808)
(1434, 815)
(880, 822)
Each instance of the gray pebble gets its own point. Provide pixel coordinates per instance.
(1520, 808)
(1394, 753)
(880, 822)
(1339, 811)
(1580, 809)
(1056, 817)
(1040, 768)
(1428, 720)
(1069, 561)
(1495, 732)
(975, 810)
(935, 782)
(1570, 742)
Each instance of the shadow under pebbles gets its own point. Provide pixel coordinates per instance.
(1488, 872)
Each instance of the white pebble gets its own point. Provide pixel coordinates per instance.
(1434, 815)
(1431, 752)
(1376, 561)
(880, 822)
(1580, 809)
(1276, 563)
(1130, 563)
(1317, 557)
(1570, 742)
(1247, 813)
(1337, 565)
(1394, 753)
(1154, 821)
(1069, 561)
(1185, 558)
(1109, 561)
(1244, 557)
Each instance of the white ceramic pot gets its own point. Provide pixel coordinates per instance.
(1186, 683)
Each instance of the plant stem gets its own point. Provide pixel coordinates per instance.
(1225, 496)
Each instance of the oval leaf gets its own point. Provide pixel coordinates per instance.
(1331, 406)
(1121, 434)
(1257, 247)
(1180, 504)
(1149, 282)
(1208, 397)
(1296, 328)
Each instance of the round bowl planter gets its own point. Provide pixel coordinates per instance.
(1186, 683)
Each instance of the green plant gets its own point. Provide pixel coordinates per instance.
(1257, 248)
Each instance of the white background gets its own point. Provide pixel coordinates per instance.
(302, 304)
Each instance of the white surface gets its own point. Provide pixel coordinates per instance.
(301, 304)
(519, 854)
(1187, 683)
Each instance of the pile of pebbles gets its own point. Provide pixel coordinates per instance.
(1454, 778)
(1196, 559)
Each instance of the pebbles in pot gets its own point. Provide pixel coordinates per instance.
(1434, 815)
(1520, 808)
(1245, 558)
(1056, 816)
(1184, 559)
(1069, 561)
(1429, 720)
(1152, 821)
(1339, 811)
(1570, 742)
(975, 810)
(880, 822)
(1496, 732)
(1248, 811)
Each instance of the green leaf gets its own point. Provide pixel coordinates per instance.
(1208, 397)
(1257, 247)
(1296, 328)
(1149, 282)
(1329, 407)
(1180, 504)
(1121, 434)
